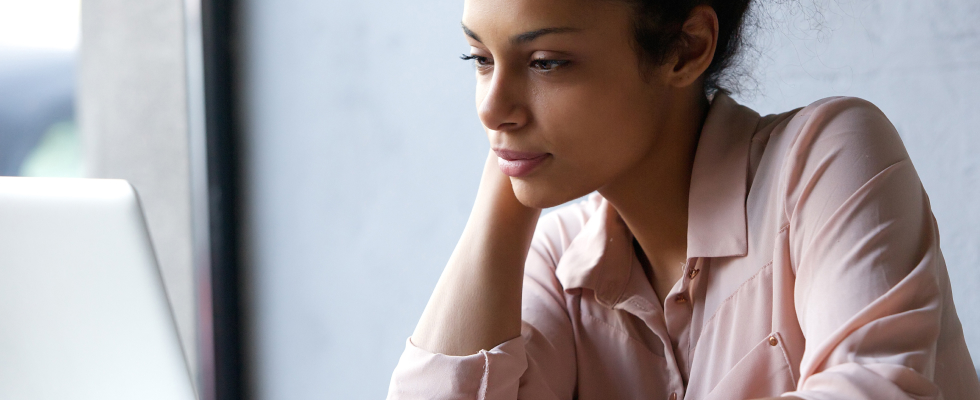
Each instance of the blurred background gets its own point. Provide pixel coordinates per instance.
(284, 152)
(38, 43)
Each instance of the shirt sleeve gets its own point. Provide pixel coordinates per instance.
(540, 364)
(864, 243)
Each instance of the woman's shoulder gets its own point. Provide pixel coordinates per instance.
(833, 145)
(839, 103)
(833, 126)
(836, 115)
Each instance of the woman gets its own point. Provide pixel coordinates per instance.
(724, 255)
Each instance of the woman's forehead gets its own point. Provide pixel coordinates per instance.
(506, 18)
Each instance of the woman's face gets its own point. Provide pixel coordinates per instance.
(562, 95)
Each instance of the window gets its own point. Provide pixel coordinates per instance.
(38, 134)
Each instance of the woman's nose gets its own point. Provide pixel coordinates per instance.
(502, 107)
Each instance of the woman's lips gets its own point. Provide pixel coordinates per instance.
(518, 163)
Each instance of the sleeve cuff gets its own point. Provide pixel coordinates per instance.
(487, 375)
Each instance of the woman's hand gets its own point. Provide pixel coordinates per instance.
(476, 304)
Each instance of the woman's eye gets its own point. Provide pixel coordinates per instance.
(547, 65)
(480, 61)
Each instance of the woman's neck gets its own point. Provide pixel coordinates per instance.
(652, 198)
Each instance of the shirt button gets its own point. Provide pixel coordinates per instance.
(693, 273)
(673, 396)
(680, 299)
(773, 341)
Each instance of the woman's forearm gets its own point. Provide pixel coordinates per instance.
(476, 304)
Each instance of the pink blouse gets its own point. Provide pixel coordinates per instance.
(813, 270)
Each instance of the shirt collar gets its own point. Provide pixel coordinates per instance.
(716, 222)
(600, 257)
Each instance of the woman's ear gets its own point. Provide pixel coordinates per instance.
(699, 37)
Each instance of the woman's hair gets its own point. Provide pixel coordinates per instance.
(658, 33)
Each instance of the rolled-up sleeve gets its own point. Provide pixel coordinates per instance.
(540, 364)
(492, 374)
(871, 280)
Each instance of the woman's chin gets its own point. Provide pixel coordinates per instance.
(544, 195)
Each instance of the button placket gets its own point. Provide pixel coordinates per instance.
(683, 295)
(677, 314)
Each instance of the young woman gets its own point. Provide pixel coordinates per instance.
(723, 255)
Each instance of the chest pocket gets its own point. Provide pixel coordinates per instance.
(764, 372)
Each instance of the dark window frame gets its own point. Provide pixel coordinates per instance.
(224, 210)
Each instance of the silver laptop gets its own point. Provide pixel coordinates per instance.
(83, 313)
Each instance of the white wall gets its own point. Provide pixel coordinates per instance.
(364, 152)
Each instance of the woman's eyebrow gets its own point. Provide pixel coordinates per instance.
(526, 36)
(470, 33)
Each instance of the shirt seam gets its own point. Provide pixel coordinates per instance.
(690, 332)
(484, 383)
(782, 351)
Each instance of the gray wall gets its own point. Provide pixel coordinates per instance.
(364, 153)
(132, 112)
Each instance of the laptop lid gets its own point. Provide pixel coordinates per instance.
(83, 312)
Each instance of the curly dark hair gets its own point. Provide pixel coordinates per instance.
(657, 31)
